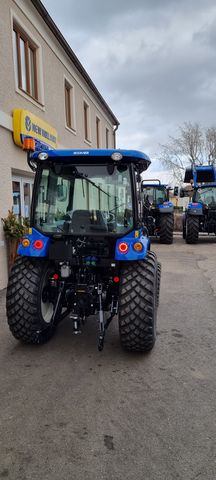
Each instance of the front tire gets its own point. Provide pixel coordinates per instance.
(192, 229)
(29, 311)
(138, 304)
(166, 228)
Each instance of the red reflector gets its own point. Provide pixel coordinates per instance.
(123, 247)
(38, 244)
(55, 276)
(116, 279)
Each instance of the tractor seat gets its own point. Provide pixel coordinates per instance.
(84, 221)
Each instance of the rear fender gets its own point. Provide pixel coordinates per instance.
(31, 250)
(131, 254)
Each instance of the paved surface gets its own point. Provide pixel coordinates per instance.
(69, 412)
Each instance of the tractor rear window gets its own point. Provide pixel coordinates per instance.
(206, 195)
(83, 199)
(153, 195)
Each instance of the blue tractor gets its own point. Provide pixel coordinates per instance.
(200, 214)
(87, 250)
(158, 211)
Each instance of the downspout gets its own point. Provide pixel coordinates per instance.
(114, 133)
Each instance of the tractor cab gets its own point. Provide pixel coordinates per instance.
(79, 193)
(87, 196)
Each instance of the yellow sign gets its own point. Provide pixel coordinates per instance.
(25, 124)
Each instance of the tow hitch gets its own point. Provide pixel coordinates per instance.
(104, 325)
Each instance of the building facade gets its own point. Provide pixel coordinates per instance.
(45, 93)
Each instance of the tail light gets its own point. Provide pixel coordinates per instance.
(38, 244)
(123, 247)
(25, 242)
(55, 276)
(116, 279)
(138, 246)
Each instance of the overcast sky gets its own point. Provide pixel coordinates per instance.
(154, 62)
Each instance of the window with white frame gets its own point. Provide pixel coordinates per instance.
(22, 194)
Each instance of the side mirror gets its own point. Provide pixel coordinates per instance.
(176, 191)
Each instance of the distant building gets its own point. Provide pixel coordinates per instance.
(46, 93)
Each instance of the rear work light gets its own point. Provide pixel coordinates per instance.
(25, 242)
(116, 156)
(123, 247)
(138, 246)
(38, 244)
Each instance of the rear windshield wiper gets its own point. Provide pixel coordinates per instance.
(84, 177)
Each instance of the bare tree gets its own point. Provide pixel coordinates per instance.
(188, 148)
(210, 139)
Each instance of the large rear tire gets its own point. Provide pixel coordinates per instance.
(166, 228)
(138, 304)
(29, 311)
(192, 229)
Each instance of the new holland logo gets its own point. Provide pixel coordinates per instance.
(28, 123)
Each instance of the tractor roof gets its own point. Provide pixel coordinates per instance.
(200, 174)
(151, 182)
(140, 159)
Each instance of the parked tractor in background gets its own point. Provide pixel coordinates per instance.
(200, 214)
(87, 250)
(158, 211)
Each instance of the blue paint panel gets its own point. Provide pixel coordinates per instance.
(131, 254)
(31, 251)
